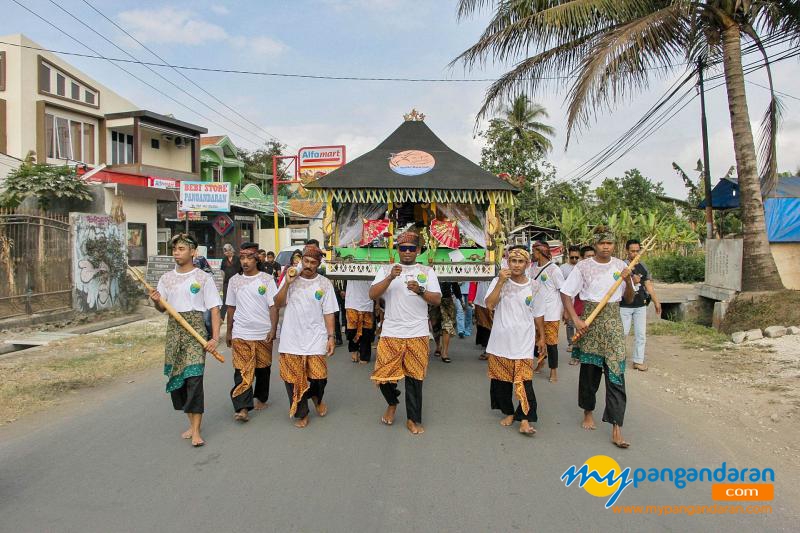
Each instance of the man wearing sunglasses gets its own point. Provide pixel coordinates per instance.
(407, 289)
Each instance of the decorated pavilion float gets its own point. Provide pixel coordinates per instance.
(412, 180)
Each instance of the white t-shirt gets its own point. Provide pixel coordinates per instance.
(513, 331)
(406, 312)
(357, 296)
(566, 269)
(592, 280)
(191, 291)
(252, 296)
(480, 293)
(551, 279)
(303, 331)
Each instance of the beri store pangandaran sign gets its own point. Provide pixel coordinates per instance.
(205, 196)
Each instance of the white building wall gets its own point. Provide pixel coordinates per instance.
(140, 210)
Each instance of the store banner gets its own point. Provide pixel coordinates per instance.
(161, 183)
(316, 161)
(205, 196)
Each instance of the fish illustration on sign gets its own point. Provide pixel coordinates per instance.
(411, 162)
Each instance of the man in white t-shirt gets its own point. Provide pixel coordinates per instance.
(191, 292)
(307, 334)
(360, 320)
(407, 289)
(545, 271)
(483, 318)
(601, 347)
(252, 322)
(519, 310)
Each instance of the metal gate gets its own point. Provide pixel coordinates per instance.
(35, 263)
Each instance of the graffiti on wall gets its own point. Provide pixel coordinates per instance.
(95, 290)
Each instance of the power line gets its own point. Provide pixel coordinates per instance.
(178, 71)
(79, 20)
(787, 95)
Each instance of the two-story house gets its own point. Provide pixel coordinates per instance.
(135, 157)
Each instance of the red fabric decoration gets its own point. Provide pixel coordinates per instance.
(372, 230)
(446, 232)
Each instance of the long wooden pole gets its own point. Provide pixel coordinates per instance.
(177, 316)
(644, 247)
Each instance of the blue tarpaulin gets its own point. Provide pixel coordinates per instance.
(781, 206)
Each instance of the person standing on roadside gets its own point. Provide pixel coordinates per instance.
(635, 313)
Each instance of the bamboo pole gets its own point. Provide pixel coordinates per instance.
(646, 245)
(177, 316)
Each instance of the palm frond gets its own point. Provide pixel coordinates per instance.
(767, 145)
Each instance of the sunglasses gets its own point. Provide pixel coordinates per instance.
(407, 248)
(574, 257)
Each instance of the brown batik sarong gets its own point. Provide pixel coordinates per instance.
(298, 370)
(550, 332)
(247, 356)
(512, 371)
(398, 358)
(483, 317)
(359, 321)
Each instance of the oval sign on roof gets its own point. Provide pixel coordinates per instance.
(411, 162)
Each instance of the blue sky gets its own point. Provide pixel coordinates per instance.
(371, 38)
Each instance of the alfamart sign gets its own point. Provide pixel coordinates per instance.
(205, 196)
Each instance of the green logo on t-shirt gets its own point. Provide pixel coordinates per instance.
(422, 278)
(262, 290)
(194, 287)
(544, 277)
(617, 275)
(319, 294)
(528, 300)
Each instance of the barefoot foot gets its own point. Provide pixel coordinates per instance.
(303, 422)
(617, 439)
(261, 405)
(241, 416)
(414, 428)
(388, 416)
(187, 434)
(197, 441)
(588, 421)
(507, 421)
(322, 408)
(527, 429)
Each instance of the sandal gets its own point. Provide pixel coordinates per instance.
(484, 356)
(437, 353)
(446, 359)
(622, 444)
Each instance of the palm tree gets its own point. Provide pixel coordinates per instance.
(614, 47)
(522, 118)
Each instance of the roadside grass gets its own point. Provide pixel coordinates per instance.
(36, 380)
(692, 335)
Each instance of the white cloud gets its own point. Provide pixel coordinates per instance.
(220, 9)
(167, 25)
(263, 46)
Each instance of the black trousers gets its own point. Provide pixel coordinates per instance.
(413, 397)
(364, 344)
(482, 336)
(589, 382)
(316, 389)
(189, 397)
(501, 394)
(260, 389)
(338, 326)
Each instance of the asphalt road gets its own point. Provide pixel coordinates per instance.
(115, 462)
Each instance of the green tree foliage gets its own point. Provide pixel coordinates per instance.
(633, 192)
(260, 162)
(47, 183)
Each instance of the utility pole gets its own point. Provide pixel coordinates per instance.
(706, 162)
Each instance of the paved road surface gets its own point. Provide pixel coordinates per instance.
(116, 462)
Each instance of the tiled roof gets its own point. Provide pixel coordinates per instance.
(214, 139)
(304, 208)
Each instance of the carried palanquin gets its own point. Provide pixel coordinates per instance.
(412, 180)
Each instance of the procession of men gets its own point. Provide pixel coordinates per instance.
(518, 316)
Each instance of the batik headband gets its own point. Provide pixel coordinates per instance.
(604, 235)
(184, 238)
(313, 252)
(520, 253)
(409, 237)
